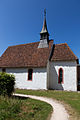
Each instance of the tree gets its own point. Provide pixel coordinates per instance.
(7, 82)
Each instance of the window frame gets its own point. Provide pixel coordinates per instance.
(59, 76)
(31, 75)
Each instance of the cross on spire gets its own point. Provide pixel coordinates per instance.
(44, 12)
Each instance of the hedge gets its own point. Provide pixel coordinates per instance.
(7, 82)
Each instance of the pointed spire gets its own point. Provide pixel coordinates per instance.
(44, 28)
(44, 35)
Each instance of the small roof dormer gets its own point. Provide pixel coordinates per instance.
(44, 35)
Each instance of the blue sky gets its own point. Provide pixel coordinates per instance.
(21, 22)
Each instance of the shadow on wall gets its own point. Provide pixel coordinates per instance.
(24, 70)
(16, 70)
(54, 80)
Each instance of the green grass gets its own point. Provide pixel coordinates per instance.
(70, 98)
(23, 109)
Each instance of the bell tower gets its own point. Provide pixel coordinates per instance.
(44, 35)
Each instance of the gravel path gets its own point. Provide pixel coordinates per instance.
(59, 112)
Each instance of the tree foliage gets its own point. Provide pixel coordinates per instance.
(7, 82)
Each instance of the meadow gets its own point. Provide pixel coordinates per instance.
(16, 108)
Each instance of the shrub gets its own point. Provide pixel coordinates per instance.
(7, 82)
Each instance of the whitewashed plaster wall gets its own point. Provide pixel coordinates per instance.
(39, 80)
(69, 75)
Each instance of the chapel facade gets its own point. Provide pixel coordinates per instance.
(41, 65)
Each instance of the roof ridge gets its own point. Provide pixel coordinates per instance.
(61, 44)
(22, 44)
(26, 44)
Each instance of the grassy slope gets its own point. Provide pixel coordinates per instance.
(71, 98)
(23, 109)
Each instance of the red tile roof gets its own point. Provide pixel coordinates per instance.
(62, 52)
(26, 55)
(29, 55)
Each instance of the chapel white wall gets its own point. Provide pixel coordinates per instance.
(39, 80)
(69, 75)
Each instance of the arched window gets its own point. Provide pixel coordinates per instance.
(30, 72)
(60, 76)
